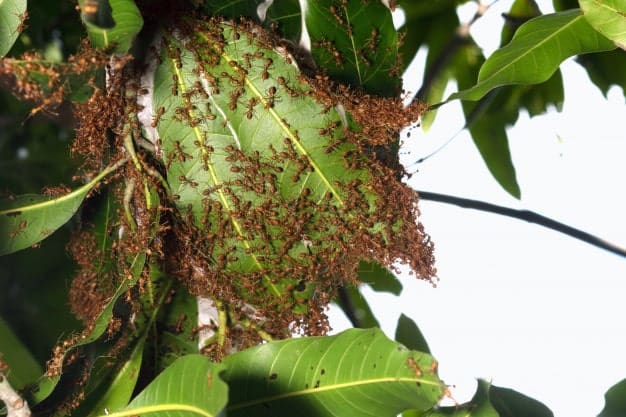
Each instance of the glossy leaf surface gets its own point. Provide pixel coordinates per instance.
(607, 17)
(111, 23)
(536, 51)
(11, 14)
(357, 372)
(30, 218)
(191, 386)
(356, 43)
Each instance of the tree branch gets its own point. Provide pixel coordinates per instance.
(16, 406)
(525, 215)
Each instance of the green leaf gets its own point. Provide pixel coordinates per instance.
(120, 389)
(536, 51)
(106, 265)
(410, 335)
(286, 16)
(11, 14)
(487, 128)
(111, 23)
(615, 401)
(606, 69)
(358, 372)
(356, 43)
(607, 17)
(232, 9)
(191, 386)
(510, 403)
(47, 384)
(23, 367)
(356, 308)
(174, 312)
(379, 278)
(266, 170)
(30, 218)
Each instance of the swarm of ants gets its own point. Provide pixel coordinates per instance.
(270, 184)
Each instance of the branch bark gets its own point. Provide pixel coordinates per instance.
(16, 405)
(525, 215)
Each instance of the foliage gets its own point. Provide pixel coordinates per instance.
(229, 185)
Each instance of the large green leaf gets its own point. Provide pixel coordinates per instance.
(615, 401)
(28, 219)
(261, 162)
(608, 17)
(356, 43)
(358, 372)
(23, 367)
(11, 14)
(111, 23)
(536, 51)
(191, 386)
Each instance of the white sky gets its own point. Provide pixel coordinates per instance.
(528, 308)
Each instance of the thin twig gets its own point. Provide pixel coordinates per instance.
(525, 215)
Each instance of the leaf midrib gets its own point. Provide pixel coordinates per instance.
(529, 51)
(214, 176)
(344, 385)
(272, 111)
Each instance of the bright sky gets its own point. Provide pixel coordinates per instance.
(517, 304)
